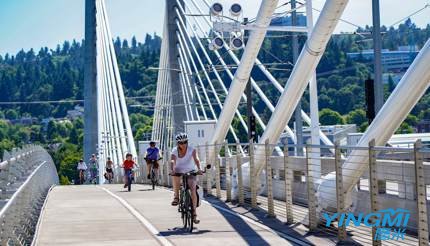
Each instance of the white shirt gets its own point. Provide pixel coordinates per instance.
(186, 163)
(82, 166)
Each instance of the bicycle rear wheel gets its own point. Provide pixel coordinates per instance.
(153, 179)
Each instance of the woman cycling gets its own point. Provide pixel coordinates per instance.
(184, 160)
(109, 170)
(82, 167)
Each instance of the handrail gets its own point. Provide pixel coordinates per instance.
(14, 196)
(3, 164)
(17, 214)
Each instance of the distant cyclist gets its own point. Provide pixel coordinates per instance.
(128, 166)
(93, 166)
(184, 160)
(109, 169)
(82, 167)
(152, 156)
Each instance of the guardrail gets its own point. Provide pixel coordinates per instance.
(25, 179)
(287, 189)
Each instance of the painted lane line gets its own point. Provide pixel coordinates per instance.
(141, 219)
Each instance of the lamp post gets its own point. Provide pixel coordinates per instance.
(377, 47)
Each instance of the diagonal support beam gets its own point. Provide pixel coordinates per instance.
(302, 72)
(242, 74)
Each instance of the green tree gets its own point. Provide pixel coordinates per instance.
(11, 114)
(357, 117)
(64, 180)
(330, 117)
(52, 130)
(404, 129)
(5, 145)
(425, 114)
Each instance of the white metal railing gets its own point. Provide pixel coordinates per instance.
(25, 179)
(397, 178)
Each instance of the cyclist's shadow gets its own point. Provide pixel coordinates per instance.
(182, 231)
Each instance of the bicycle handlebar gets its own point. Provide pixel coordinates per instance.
(195, 173)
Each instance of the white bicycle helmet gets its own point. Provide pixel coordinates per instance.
(181, 137)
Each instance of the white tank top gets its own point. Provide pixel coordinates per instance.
(186, 163)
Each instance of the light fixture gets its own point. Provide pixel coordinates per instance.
(236, 43)
(216, 9)
(236, 10)
(217, 43)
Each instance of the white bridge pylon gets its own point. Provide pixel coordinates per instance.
(115, 136)
(203, 83)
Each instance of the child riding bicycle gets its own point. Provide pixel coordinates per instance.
(128, 166)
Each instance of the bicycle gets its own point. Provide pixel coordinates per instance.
(109, 177)
(154, 173)
(93, 175)
(81, 176)
(185, 202)
(129, 173)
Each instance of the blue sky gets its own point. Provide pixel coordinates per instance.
(36, 23)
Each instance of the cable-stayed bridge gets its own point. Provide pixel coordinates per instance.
(257, 193)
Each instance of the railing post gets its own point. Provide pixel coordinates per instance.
(208, 174)
(288, 188)
(373, 187)
(423, 235)
(162, 170)
(227, 172)
(340, 198)
(200, 180)
(239, 174)
(218, 171)
(269, 181)
(252, 176)
(168, 167)
(313, 222)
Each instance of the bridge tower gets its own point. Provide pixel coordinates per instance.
(178, 109)
(91, 128)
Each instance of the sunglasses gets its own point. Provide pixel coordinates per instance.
(182, 142)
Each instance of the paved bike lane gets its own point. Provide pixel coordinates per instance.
(216, 227)
(87, 215)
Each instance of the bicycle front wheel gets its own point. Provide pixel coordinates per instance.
(129, 183)
(189, 211)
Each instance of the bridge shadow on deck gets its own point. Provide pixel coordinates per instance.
(249, 234)
(278, 226)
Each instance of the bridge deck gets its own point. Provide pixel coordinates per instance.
(106, 215)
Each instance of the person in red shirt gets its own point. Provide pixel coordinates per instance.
(128, 165)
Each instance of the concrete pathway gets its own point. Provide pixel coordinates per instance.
(107, 215)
